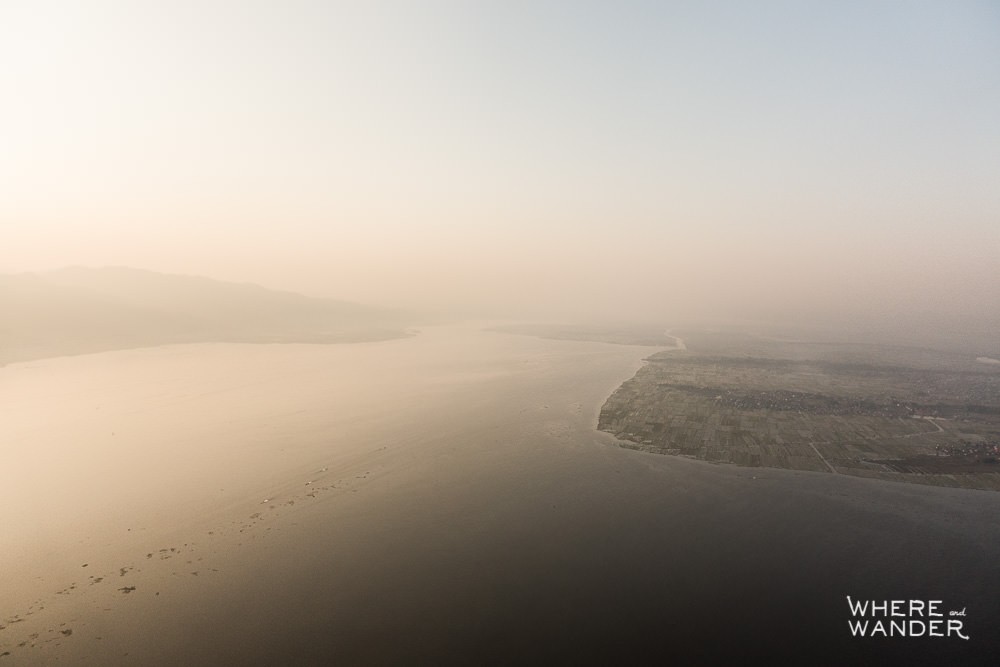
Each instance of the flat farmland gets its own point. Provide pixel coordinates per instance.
(828, 409)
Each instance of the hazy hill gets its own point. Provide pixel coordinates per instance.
(79, 310)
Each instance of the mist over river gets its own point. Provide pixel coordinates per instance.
(443, 498)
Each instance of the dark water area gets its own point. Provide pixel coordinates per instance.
(619, 556)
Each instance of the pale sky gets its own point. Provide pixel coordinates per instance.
(539, 158)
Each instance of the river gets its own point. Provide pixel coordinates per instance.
(436, 499)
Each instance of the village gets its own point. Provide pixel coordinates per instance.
(913, 424)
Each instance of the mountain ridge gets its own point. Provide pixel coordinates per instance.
(78, 310)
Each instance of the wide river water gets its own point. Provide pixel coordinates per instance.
(437, 499)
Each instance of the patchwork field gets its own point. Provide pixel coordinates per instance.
(899, 414)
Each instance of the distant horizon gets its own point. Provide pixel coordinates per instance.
(965, 341)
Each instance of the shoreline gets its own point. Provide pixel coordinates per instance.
(43, 356)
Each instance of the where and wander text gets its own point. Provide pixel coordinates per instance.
(903, 618)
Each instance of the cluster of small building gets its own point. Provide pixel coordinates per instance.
(987, 451)
(807, 403)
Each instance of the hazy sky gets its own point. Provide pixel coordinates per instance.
(536, 157)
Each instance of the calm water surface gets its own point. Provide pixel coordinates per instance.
(437, 499)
